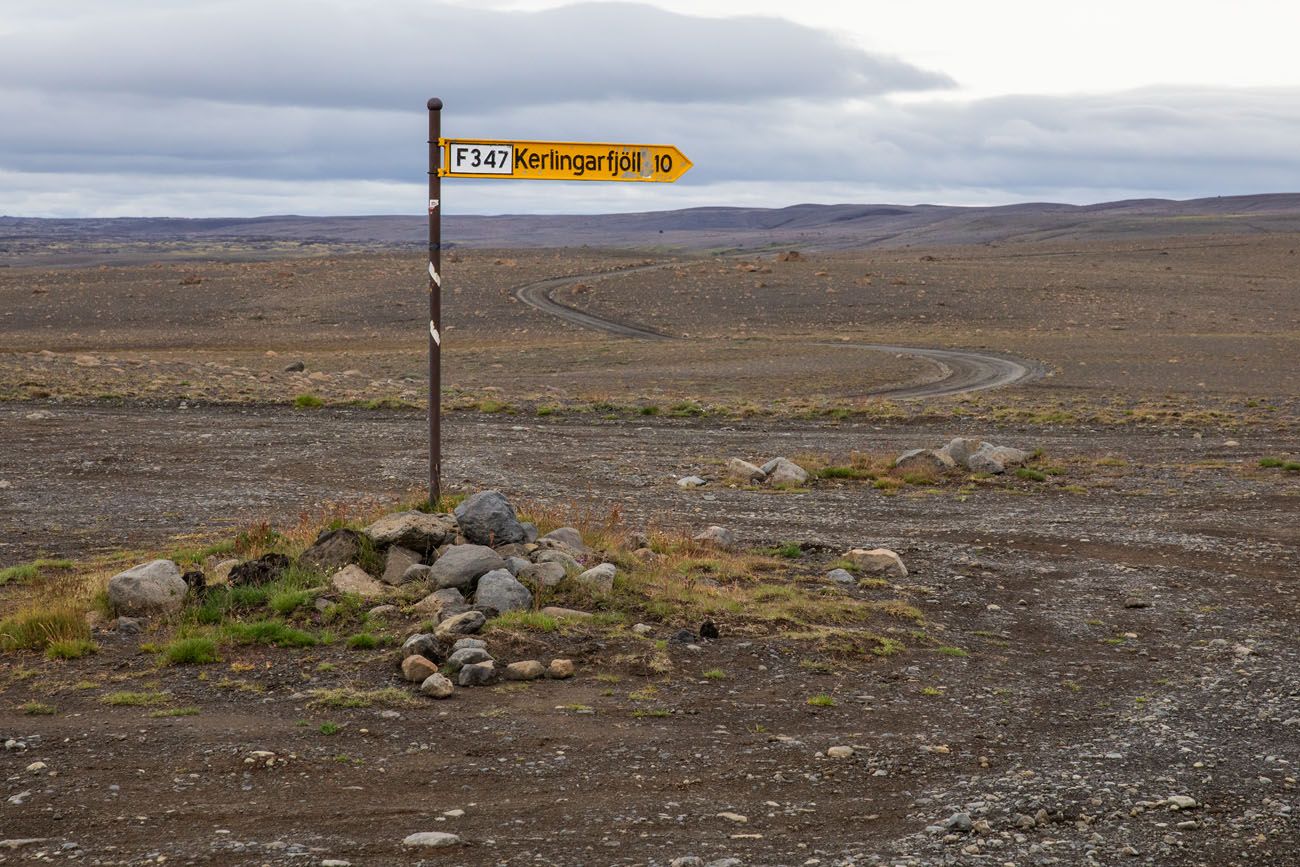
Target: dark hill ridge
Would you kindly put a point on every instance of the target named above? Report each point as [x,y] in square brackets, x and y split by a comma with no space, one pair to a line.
[827,226]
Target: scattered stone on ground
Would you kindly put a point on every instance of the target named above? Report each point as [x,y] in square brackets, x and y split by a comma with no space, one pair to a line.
[559,669]
[528,669]
[417,669]
[437,686]
[155,587]
[925,461]
[477,674]
[600,577]
[842,576]
[500,590]
[692,482]
[877,561]
[568,537]
[431,839]
[718,537]
[398,561]
[465,623]
[418,531]
[744,472]
[782,472]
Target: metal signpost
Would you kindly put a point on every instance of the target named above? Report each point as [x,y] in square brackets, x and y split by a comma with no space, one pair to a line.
[519,160]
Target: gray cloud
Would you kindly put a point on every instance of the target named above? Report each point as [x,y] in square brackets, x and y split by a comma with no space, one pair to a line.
[323,113]
[390,55]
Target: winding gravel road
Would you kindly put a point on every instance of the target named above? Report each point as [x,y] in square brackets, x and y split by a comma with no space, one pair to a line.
[960,371]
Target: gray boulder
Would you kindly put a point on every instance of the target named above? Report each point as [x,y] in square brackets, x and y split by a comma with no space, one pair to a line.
[422,644]
[924,461]
[353,579]
[691,482]
[437,686]
[487,518]
[564,559]
[462,643]
[467,656]
[600,577]
[785,473]
[502,591]
[418,531]
[462,565]
[332,550]
[417,573]
[996,459]
[478,674]
[150,588]
[530,531]
[842,576]
[438,602]
[959,449]
[568,537]
[877,561]
[743,472]
[465,623]
[542,574]
[718,537]
[515,565]
[396,563]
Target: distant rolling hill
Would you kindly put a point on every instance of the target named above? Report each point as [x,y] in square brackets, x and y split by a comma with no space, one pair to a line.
[821,226]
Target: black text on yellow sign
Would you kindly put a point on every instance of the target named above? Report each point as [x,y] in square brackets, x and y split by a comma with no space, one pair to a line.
[561,161]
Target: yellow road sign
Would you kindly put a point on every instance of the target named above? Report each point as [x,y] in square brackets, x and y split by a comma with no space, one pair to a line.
[561,160]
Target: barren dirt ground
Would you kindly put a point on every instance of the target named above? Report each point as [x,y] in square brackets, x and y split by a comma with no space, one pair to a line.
[1095,646]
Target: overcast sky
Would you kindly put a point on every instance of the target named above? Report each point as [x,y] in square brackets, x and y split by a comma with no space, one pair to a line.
[248,107]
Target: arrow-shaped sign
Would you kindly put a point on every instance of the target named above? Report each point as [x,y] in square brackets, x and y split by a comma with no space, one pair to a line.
[561,161]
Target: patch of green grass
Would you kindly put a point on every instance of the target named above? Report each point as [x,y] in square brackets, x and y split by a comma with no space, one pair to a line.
[37,708]
[649,410]
[70,648]
[271,632]
[605,677]
[329,728]
[931,691]
[191,651]
[888,646]
[1266,463]
[788,550]
[844,472]
[364,641]
[198,555]
[128,698]
[523,621]
[308,401]
[951,651]
[28,571]
[38,627]
[1291,467]
[286,602]
[349,697]
[686,408]
[821,700]
[1031,475]
[715,674]
[651,712]
[174,712]
[547,409]
[489,404]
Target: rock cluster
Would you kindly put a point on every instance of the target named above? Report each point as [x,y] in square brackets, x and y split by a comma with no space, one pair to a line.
[467,660]
[777,473]
[477,563]
[977,456]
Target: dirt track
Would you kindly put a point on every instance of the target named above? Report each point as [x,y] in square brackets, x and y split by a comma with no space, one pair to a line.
[958,371]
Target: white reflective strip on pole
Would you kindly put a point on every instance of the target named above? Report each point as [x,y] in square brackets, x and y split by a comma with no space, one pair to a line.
[433,332]
[434,274]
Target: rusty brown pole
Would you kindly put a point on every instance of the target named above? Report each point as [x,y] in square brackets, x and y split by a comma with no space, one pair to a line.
[435,303]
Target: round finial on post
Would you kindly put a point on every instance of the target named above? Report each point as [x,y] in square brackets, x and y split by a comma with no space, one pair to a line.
[435,104]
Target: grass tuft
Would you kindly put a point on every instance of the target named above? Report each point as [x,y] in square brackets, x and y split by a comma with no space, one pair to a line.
[70,648]
[364,641]
[349,697]
[308,401]
[523,621]
[38,628]
[37,708]
[191,651]
[271,632]
[821,700]
[127,698]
